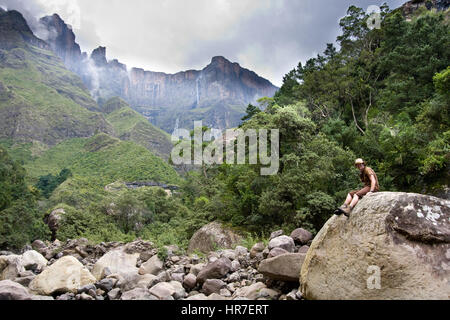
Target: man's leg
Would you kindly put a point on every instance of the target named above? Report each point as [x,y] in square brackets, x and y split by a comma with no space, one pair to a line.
[346,204]
[348,200]
[354,201]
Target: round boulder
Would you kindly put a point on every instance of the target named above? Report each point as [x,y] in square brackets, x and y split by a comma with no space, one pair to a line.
[393,246]
[212,237]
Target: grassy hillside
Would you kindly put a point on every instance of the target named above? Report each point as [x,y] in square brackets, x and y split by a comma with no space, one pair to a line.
[130,125]
[39,98]
[104,159]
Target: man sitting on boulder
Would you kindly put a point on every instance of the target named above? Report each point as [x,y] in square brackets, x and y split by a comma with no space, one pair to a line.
[370,180]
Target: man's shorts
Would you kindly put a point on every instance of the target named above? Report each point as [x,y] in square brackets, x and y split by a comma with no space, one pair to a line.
[360,193]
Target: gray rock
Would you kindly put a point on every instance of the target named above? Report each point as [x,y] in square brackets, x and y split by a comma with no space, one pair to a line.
[66,296]
[33,260]
[137,294]
[225,292]
[301,236]
[178,277]
[190,281]
[86,288]
[162,290]
[213,286]
[392,247]
[257,248]
[215,270]
[43,298]
[199,296]
[152,266]
[276,252]
[235,265]
[303,249]
[106,284]
[10,267]
[212,236]
[114,294]
[85,296]
[249,292]
[10,290]
[275,234]
[25,281]
[268,293]
[285,267]
[228,253]
[284,242]
[196,268]
[234,277]
[241,251]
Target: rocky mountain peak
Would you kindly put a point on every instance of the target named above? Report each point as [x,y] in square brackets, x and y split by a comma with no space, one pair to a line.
[14,31]
[99,56]
[62,40]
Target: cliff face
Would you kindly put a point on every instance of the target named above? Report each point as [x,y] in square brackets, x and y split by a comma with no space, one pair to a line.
[62,41]
[219,82]
[15,32]
[217,94]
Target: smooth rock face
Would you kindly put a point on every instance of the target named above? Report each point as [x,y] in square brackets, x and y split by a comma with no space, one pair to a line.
[10,290]
[117,261]
[67,274]
[301,236]
[284,242]
[393,246]
[211,237]
[284,267]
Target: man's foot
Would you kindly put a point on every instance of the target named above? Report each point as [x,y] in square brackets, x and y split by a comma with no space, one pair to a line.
[347,210]
[341,210]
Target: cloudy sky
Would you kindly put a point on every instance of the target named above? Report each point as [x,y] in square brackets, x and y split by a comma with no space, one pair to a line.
[269,37]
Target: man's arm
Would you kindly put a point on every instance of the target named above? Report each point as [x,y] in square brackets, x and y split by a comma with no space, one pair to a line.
[373,184]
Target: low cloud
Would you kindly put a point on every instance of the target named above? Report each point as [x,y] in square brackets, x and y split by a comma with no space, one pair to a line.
[269,37]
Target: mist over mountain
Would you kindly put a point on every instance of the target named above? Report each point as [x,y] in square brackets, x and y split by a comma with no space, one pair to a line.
[218,94]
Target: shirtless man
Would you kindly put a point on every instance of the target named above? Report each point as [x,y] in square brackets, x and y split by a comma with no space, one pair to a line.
[370,180]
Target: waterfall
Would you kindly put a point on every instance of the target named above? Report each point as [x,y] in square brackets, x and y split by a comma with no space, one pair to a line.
[198,88]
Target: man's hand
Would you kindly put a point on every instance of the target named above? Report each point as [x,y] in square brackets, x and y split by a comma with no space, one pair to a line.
[369,193]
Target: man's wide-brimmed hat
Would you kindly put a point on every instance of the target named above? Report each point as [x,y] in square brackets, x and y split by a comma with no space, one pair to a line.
[359,161]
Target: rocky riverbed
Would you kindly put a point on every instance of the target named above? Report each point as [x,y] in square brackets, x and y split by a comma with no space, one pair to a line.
[78,270]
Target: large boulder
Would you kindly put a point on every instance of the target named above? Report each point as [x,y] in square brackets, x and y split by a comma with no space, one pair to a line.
[214,270]
[116,261]
[211,237]
[67,274]
[283,242]
[10,290]
[32,259]
[152,266]
[10,267]
[284,267]
[54,218]
[301,236]
[393,246]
